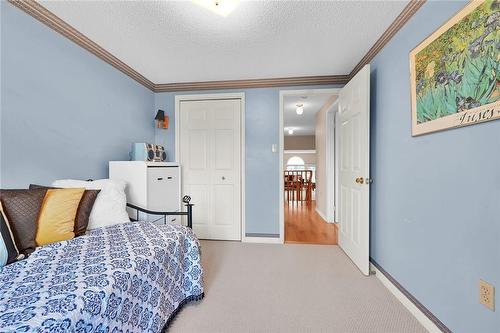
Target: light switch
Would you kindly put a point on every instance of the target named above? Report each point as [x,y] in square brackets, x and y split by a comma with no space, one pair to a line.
[274,147]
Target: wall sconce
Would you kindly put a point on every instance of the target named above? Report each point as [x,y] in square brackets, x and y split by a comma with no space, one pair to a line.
[161,119]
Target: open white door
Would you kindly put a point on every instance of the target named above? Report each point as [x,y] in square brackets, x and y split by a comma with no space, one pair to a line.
[353,128]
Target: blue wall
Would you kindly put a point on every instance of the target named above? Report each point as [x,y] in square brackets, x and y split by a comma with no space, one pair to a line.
[435,209]
[64,112]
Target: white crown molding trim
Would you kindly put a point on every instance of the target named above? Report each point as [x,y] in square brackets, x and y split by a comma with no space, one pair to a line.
[309,151]
[254,83]
[411,8]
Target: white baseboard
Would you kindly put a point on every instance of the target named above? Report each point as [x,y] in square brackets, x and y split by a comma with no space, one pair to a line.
[419,315]
[263,240]
[323,216]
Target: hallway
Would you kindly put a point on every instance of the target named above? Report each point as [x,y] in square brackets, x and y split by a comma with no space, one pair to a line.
[303,225]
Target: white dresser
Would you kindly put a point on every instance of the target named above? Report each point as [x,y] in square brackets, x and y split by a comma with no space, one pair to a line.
[152,185]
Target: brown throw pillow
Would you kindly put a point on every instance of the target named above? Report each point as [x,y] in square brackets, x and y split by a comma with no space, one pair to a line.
[21,208]
[84,209]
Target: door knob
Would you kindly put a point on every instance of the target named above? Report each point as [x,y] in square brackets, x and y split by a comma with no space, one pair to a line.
[360,180]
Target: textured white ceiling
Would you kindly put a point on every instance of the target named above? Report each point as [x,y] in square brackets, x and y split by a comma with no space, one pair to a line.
[178,41]
[304,124]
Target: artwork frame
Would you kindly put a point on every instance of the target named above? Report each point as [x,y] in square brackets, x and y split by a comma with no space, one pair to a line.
[443,76]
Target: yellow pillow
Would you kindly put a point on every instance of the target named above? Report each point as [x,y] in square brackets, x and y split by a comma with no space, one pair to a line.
[56,220]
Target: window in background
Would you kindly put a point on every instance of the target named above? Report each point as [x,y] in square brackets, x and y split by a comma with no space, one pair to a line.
[295,163]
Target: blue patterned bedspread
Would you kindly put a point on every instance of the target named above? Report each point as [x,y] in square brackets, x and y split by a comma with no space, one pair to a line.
[129,277]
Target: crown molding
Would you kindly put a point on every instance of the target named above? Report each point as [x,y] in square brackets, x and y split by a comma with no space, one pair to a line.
[45,16]
[253,83]
[42,14]
[411,8]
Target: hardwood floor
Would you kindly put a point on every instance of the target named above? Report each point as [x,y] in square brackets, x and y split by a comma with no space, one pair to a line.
[304,225]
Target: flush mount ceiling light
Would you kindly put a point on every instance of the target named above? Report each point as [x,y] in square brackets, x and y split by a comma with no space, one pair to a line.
[290,131]
[219,7]
[300,109]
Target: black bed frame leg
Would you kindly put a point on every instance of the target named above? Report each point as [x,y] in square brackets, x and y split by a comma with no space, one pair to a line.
[190,215]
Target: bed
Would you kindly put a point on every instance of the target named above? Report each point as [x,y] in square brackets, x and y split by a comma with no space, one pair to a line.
[130,277]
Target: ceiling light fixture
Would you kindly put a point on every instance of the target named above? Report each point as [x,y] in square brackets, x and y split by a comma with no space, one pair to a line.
[300,109]
[219,7]
[290,131]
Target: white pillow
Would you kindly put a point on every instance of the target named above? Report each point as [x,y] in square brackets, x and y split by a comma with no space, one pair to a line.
[109,207]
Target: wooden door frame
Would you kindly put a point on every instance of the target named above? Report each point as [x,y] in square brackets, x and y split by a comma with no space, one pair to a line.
[217,96]
[283,93]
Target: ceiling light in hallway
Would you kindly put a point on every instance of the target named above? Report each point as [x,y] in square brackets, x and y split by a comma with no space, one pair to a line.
[290,131]
[219,7]
[300,109]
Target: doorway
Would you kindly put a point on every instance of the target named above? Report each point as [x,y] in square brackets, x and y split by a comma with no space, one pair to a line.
[351,171]
[210,136]
[304,166]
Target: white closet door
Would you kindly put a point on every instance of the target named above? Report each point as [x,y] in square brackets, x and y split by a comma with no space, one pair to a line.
[211,172]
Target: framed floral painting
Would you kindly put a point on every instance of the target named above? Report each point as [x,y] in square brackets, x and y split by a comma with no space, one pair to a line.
[455,72]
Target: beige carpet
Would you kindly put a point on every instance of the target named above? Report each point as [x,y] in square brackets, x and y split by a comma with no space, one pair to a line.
[289,288]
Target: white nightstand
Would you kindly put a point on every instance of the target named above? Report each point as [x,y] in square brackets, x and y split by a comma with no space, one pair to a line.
[154,186]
